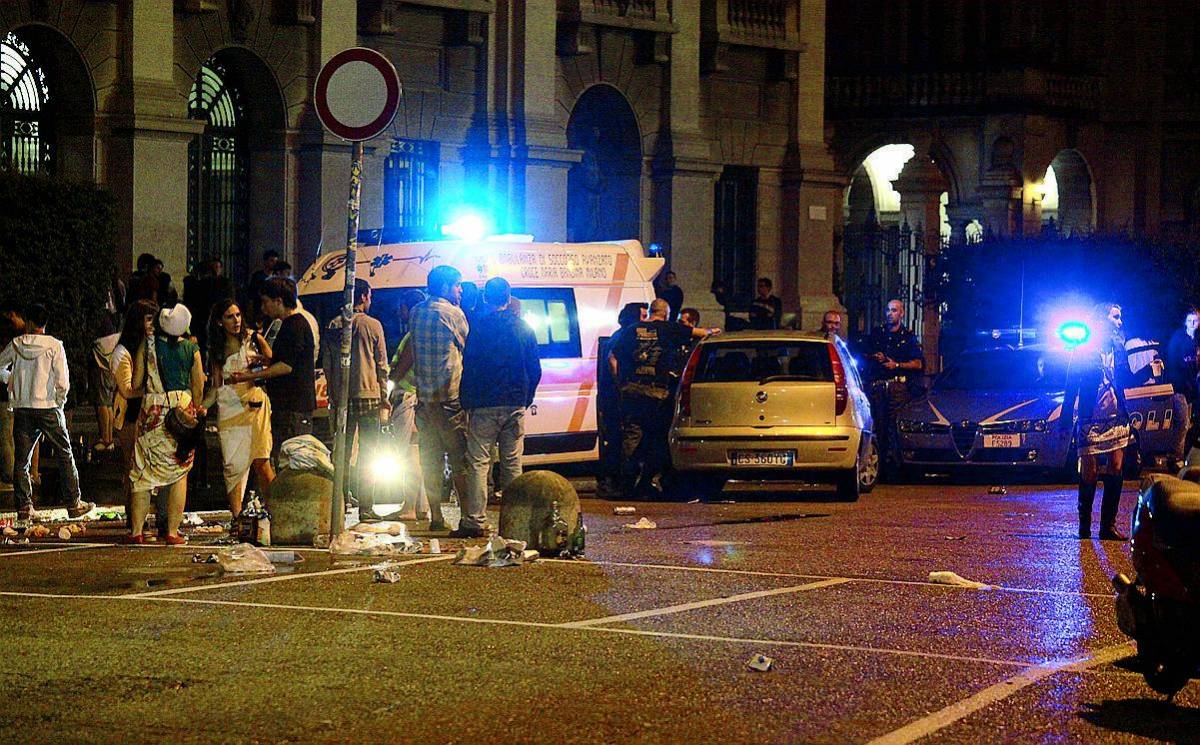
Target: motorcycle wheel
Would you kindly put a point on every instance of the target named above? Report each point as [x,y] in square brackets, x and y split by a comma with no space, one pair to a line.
[1167,677]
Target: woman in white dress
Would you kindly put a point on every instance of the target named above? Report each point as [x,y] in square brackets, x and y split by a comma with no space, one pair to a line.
[244,411]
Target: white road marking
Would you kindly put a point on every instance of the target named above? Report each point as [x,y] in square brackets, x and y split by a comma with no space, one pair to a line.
[283,577]
[536,624]
[38,550]
[876,580]
[1002,690]
[683,607]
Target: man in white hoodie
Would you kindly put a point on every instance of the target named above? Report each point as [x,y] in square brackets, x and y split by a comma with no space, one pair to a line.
[35,367]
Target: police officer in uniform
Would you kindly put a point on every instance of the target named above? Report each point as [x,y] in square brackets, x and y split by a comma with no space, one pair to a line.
[646,361]
[895,360]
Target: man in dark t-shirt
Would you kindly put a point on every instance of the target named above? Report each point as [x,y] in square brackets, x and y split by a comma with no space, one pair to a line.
[290,376]
[766,312]
[646,360]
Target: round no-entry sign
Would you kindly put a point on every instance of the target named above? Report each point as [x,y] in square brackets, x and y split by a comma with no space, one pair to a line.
[357,94]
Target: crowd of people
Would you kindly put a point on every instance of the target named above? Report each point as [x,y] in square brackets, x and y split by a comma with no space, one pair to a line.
[459,389]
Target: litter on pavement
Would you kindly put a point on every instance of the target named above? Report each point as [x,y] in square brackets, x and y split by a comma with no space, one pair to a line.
[624,510]
[760,662]
[954,580]
[497,552]
[355,543]
[383,526]
[244,559]
[997,490]
[642,524]
[387,576]
[715,544]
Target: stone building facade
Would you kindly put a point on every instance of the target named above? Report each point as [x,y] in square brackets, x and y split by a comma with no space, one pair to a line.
[993,94]
[698,126]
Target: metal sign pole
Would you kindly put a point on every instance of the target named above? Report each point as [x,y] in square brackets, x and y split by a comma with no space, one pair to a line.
[341,460]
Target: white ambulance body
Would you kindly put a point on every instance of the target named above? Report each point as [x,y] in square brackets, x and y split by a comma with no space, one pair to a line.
[570,294]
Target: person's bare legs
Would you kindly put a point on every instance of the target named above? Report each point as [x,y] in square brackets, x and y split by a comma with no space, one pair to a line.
[139,507]
[176,500]
[105,416]
[264,473]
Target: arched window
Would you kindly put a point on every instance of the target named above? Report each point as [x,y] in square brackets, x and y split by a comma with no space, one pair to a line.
[217,170]
[23,97]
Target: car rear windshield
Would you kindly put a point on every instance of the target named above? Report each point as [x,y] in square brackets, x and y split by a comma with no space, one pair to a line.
[752,361]
[1006,370]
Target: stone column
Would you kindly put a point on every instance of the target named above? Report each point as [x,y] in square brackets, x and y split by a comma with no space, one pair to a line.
[147,133]
[920,185]
[540,158]
[683,171]
[324,160]
[811,197]
[1000,194]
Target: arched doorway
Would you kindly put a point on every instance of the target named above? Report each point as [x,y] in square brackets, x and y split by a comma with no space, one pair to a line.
[883,256]
[217,168]
[24,95]
[237,168]
[1067,203]
[604,188]
[47,105]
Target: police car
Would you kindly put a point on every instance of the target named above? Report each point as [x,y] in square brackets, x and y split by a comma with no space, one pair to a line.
[1002,408]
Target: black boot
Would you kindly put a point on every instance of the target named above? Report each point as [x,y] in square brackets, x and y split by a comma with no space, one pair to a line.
[1109,505]
[1087,495]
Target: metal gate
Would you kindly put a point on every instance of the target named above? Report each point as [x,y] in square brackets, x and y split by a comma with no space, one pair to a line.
[881,263]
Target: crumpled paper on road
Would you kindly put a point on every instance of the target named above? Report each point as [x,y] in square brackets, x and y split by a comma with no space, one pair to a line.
[954,580]
[497,552]
[642,524]
[356,543]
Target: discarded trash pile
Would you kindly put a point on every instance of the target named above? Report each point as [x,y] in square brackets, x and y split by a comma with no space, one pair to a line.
[247,559]
[497,552]
[375,539]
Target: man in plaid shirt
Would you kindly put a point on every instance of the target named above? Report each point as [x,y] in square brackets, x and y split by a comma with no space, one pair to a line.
[439,333]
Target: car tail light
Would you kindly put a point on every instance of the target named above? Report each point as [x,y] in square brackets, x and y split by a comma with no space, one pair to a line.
[685,382]
[839,381]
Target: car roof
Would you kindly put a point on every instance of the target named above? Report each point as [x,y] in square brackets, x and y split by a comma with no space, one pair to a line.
[772,335]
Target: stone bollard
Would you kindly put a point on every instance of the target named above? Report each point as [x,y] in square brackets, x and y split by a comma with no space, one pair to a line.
[526,506]
[299,505]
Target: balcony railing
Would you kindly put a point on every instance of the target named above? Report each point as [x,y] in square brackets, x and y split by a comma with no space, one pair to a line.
[648,15]
[755,23]
[858,94]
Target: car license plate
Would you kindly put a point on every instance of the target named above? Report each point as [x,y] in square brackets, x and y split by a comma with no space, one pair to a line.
[1002,441]
[762,457]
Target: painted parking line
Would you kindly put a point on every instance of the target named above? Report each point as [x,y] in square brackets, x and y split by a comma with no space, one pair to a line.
[283,577]
[684,607]
[792,575]
[954,712]
[38,550]
[779,643]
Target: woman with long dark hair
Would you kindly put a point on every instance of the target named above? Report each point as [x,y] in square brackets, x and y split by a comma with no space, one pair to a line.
[170,426]
[244,411]
[1104,431]
[127,401]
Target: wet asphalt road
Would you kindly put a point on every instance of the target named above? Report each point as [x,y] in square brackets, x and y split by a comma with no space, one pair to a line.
[647,641]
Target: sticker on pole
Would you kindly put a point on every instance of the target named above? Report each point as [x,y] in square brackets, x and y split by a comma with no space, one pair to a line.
[357,94]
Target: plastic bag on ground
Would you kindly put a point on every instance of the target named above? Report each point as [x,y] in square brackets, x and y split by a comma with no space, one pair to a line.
[355,543]
[954,580]
[497,552]
[642,524]
[306,453]
[245,559]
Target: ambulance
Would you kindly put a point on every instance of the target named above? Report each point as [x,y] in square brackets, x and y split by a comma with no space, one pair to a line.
[570,295]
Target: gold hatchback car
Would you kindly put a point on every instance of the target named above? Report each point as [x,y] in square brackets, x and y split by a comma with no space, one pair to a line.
[783,406]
